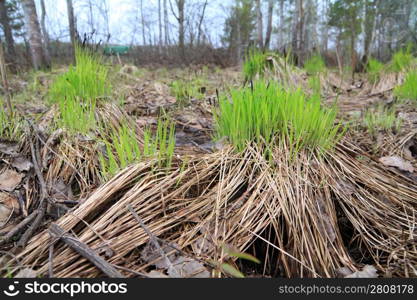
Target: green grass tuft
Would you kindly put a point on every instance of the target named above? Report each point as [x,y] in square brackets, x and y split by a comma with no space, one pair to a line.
[87,80]
[185,90]
[402,60]
[76,92]
[408,90]
[123,149]
[266,113]
[10,126]
[315,65]
[314,83]
[255,64]
[374,69]
[381,119]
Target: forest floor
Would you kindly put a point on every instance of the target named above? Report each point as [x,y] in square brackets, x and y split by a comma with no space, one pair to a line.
[213,212]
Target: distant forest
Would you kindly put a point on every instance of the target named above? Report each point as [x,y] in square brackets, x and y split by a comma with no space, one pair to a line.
[345,32]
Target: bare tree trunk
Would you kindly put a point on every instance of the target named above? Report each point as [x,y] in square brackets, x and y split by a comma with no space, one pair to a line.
[5,82]
[143,23]
[72,27]
[44,32]
[91,17]
[269,26]
[295,24]
[35,36]
[201,22]
[8,35]
[181,28]
[160,25]
[181,36]
[326,27]
[166,23]
[352,51]
[370,12]
[353,56]
[301,49]
[259,24]
[105,12]
[281,23]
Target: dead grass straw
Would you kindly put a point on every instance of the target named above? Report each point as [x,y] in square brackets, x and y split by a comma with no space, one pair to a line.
[228,198]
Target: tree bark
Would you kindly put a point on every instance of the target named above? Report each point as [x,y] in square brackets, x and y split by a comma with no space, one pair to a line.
[72,27]
[369,28]
[91,17]
[281,23]
[259,24]
[166,23]
[181,36]
[295,24]
[34,35]
[8,34]
[45,32]
[269,26]
[200,23]
[238,43]
[326,27]
[353,53]
[301,43]
[160,25]
[181,28]
[143,23]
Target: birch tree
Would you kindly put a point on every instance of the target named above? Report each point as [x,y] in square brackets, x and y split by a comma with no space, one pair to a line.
[39,59]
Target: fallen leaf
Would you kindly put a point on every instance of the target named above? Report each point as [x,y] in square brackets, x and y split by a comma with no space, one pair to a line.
[161,88]
[9,148]
[8,205]
[410,117]
[5,214]
[9,180]
[22,164]
[398,162]
[410,150]
[343,272]
[203,245]
[26,273]
[150,254]
[8,200]
[60,191]
[188,268]
[368,271]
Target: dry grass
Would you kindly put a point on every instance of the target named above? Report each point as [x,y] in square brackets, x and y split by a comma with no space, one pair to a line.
[229,198]
[312,214]
[74,159]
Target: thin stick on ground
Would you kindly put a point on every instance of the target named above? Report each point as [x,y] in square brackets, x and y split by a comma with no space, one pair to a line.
[19,227]
[40,213]
[84,251]
[51,260]
[42,204]
[153,240]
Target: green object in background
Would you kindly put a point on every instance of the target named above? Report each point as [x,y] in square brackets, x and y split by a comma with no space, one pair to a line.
[112,50]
